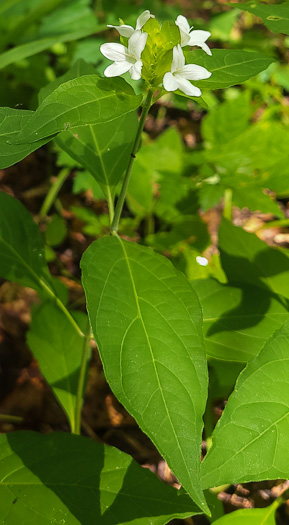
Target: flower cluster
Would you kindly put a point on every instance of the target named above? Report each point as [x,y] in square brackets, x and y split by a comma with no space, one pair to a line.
[128,58]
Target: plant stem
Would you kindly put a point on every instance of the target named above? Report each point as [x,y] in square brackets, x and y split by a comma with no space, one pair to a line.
[81,380]
[53,191]
[122,195]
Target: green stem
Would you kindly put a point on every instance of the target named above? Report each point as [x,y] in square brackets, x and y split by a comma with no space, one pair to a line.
[228,204]
[81,380]
[53,191]
[122,195]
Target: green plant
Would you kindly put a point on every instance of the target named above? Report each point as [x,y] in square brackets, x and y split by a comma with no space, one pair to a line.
[145,315]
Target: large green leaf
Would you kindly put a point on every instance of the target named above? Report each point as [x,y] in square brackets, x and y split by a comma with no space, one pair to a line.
[82,101]
[58,348]
[238,320]
[249,517]
[275,17]
[11,123]
[228,67]
[65,479]
[251,440]
[247,259]
[146,320]
[32,48]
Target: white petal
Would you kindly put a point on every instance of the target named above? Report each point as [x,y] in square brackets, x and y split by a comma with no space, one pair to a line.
[136,44]
[124,30]
[135,70]
[115,52]
[169,82]
[185,38]
[116,69]
[197,38]
[183,24]
[143,18]
[194,72]
[206,49]
[186,87]
[178,58]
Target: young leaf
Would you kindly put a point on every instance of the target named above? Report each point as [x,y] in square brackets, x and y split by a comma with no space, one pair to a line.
[85,100]
[58,348]
[228,67]
[275,17]
[251,440]
[249,517]
[146,320]
[247,259]
[238,320]
[63,478]
[12,121]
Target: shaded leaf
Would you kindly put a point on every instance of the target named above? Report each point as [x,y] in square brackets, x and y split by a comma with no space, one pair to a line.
[247,259]
[67,479]
[238,320]
[58,352]
[146,320]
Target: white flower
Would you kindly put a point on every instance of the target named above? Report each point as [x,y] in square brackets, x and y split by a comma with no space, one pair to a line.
[127,31]
[180,74]
[192,38]
[125,58]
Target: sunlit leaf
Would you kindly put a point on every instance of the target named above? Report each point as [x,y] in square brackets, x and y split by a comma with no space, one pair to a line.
[146,320]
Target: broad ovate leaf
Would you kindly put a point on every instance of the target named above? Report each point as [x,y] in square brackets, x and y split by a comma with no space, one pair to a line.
[81,101]
[146,320]
[58,348]
[228,67]
[66,479]
[251,440]
[238,319]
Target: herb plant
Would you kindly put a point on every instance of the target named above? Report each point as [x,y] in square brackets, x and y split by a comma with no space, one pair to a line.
[157,330]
